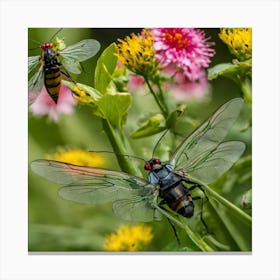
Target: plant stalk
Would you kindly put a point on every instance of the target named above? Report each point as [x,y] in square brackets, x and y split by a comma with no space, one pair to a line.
[246,88]
[120,148]
[161,106]
[200,243]
[234,209]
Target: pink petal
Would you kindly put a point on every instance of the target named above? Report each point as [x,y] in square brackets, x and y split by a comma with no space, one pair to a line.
[44,104]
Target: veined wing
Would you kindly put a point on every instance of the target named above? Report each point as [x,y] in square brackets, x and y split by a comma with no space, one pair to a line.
[35,83]
[132,196]
[81,51]
[203,145]
[210,165]
[33,62]
[72,66]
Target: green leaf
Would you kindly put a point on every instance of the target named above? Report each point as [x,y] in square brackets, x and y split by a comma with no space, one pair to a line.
[175,115]
[175,247]
[222,70]
[105,68]
[234,70]
[240,232]
[113,107]
[149,127]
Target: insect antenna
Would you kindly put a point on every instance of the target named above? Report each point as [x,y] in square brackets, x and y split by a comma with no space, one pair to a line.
[110,152]
[35,42]
[53,36]
[158,142]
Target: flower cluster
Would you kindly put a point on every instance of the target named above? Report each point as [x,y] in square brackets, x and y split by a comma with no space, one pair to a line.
[129,238]
[183,49]
[137,54]
[239,41]
[181,53]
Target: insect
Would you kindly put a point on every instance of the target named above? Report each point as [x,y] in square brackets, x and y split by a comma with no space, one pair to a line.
[49,67]
[202,155]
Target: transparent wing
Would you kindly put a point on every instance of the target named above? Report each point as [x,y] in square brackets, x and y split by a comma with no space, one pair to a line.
[203,145]
[81,51]
[212,164]
[33,62]
[132,209]
[35,83]
[91,185]
[72,66]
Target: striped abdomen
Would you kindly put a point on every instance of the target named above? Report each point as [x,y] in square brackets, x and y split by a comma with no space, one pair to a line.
[53,81]
[52,74]
[178,198]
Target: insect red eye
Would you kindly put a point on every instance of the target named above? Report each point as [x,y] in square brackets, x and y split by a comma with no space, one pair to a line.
[50,45]
[157,161]
[43,47]
[147,166]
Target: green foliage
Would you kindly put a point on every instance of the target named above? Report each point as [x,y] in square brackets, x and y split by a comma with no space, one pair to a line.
[112,123]
[150,127]
[114,107]
[105,68]
[238,71]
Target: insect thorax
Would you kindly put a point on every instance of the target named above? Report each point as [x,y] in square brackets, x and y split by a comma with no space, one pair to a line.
[164,177]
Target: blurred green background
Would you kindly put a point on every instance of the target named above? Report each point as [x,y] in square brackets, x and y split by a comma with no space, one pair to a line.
[59,225]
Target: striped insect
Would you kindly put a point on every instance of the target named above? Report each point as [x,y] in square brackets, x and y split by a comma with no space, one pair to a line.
[201,157]
[57,61]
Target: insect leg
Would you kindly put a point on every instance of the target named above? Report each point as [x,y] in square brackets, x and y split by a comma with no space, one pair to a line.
[197,186]
[67,75]
[174,231]
[201,211]
[172,225]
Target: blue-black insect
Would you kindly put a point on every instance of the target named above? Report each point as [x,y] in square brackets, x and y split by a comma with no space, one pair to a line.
[203,156]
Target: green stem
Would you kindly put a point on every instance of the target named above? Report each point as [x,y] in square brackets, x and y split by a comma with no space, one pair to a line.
[234,209]
[193,236]
[161,95]
[161,106]
[120,148]
[246,88]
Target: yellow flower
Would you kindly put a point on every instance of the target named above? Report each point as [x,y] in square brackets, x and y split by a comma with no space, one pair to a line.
[78,157]
[239,41]
[129,238]
[137,54]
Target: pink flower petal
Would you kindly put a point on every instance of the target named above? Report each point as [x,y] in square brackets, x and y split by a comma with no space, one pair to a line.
[44,104]
[185,48]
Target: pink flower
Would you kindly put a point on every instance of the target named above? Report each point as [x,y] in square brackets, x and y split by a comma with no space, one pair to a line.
[183,88]
[184,49]
[44,104]
[135,83]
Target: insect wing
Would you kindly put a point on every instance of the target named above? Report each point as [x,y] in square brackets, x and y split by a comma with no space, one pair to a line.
[201,155]
[72,66]
[211,165]
[91,185]
[137,208]
[33,62]
[81,51]
[35,84]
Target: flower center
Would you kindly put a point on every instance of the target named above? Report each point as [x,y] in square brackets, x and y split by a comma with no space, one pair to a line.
[175,40]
